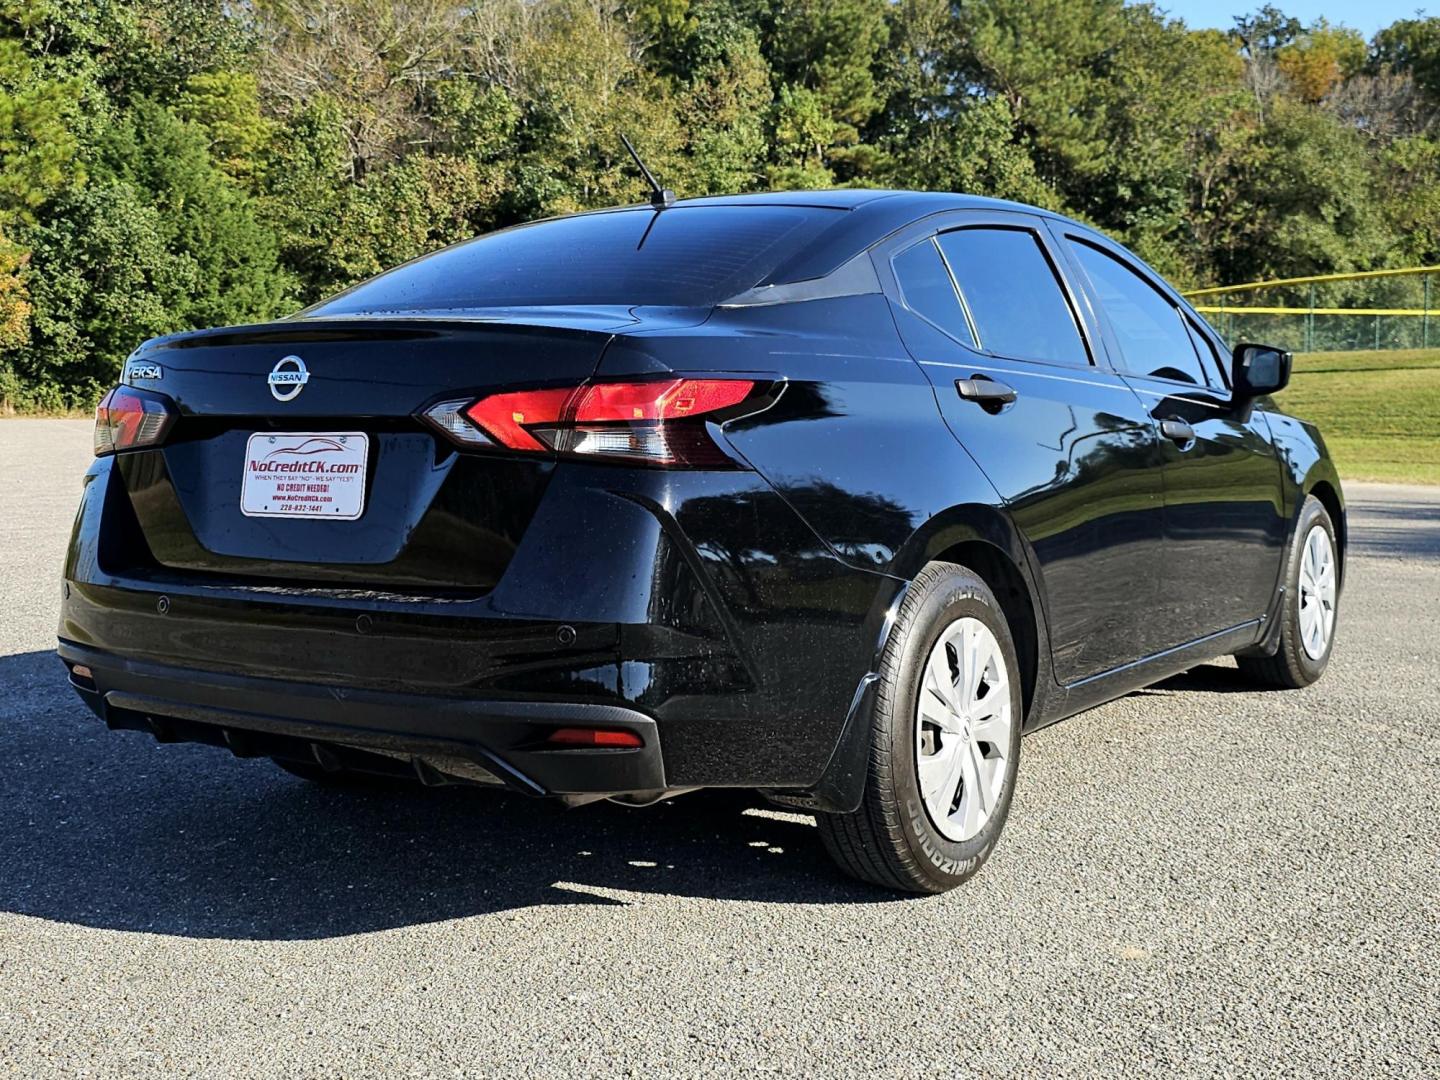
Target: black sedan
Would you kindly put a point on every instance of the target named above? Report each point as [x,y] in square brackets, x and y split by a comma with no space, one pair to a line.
[833,495]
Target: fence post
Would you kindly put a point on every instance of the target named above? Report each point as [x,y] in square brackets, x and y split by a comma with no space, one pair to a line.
[1310,322]
[1425,319]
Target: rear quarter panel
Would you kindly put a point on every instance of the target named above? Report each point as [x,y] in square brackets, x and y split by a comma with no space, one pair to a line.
[855,442]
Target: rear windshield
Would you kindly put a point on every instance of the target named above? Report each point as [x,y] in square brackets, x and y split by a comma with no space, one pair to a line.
[683,257]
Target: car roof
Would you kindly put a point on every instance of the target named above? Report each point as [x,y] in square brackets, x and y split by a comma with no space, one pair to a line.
[863,217]
[867,216]
[923,202]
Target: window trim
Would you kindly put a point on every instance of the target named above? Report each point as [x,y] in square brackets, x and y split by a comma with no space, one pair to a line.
[960,294]
[1061,284]
[974,342]
[1042,224]
[1198,338]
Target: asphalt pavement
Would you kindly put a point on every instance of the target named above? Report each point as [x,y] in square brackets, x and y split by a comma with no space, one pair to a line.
[1200,879]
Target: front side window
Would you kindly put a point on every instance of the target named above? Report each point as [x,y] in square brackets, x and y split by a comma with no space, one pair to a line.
[1151,331]
[928,291]
[1013,295]
[1209,358]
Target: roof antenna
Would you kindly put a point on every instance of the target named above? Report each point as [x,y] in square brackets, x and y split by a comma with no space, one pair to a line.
[660,198]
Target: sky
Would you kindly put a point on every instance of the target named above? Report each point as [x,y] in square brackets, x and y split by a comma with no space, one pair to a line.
[1367,16]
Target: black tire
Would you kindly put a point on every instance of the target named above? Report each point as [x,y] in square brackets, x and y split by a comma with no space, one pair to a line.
[1292,667]
[891,840]
[345,779]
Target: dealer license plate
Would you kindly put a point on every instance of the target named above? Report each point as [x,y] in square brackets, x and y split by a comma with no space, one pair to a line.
[305,475]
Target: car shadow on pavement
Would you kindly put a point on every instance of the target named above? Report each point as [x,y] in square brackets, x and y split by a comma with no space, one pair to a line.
[110,829]
[1211,678]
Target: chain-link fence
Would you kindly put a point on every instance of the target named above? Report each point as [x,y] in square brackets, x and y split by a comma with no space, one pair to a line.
[1379,309]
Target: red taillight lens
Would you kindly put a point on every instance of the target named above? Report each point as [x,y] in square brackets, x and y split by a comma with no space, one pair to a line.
[609,738]
[659,423]
[601,402]
[129,419]
[506,418]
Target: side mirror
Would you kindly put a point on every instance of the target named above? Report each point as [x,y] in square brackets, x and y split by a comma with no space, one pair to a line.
[1257,370]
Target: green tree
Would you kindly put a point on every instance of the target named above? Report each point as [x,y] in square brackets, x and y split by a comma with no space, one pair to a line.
[1168,92]
[724,93]
[38,158]
[160,240]
[934,138]
[38,151]
[824,54]
[226,106]
[1410,177]
[1412,46]
[1301,201]
[580,83]
[1045,59]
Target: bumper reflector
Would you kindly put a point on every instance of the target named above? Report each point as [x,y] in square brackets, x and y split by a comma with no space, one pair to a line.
[597,737]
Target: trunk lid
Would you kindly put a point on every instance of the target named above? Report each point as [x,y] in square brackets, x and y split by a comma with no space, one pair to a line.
[433,520]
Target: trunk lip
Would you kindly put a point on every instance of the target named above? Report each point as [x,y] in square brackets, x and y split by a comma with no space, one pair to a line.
[600,322]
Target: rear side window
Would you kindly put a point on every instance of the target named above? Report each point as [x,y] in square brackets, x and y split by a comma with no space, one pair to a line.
[1151,330]
[925,283]
[1013,295]
[683,257]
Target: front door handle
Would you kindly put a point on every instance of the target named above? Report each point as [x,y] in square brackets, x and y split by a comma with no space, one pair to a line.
[985,391]
[1178,431]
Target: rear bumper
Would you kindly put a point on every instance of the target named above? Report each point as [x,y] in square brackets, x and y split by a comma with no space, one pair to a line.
[698,603]
[441,739]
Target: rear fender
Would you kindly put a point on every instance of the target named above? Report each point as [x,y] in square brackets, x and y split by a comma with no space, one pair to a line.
[842,785]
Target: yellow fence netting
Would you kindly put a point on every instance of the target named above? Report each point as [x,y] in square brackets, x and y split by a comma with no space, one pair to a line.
[1375,309]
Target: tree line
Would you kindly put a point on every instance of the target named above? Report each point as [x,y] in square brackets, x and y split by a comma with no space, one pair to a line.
[167,164]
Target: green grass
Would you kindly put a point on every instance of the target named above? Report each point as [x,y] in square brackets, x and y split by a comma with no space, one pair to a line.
[1379,411]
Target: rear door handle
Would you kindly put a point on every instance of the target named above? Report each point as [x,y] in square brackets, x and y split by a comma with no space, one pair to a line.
[1177,431]
[985,391]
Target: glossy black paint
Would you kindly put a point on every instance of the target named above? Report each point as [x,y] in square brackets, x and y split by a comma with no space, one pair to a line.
[739,611]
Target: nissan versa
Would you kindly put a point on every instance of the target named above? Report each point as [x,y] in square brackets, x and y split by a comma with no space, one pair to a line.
[833,495]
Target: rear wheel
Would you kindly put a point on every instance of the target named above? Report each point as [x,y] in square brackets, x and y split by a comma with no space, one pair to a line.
[945,741]
[1312,595]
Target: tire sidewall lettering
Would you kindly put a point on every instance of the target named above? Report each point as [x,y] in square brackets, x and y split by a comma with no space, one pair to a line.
[921,832]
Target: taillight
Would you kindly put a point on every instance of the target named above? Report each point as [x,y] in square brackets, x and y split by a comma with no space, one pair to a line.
[130,419]
[659,423]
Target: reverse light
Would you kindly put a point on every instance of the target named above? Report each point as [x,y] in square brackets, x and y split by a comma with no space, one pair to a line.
[130,419]
[605,738]
[658,423]
[449,417]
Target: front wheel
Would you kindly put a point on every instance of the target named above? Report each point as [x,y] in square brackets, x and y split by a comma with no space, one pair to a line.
[945,742]
[1312,597]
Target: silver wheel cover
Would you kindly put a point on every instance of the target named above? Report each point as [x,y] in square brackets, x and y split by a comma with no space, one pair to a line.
[1317,592]
[963,725]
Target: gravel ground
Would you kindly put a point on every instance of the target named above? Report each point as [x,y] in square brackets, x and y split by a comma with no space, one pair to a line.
[1197,879]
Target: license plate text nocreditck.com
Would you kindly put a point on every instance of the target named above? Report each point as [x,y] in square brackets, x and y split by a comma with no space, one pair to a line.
[307,474]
